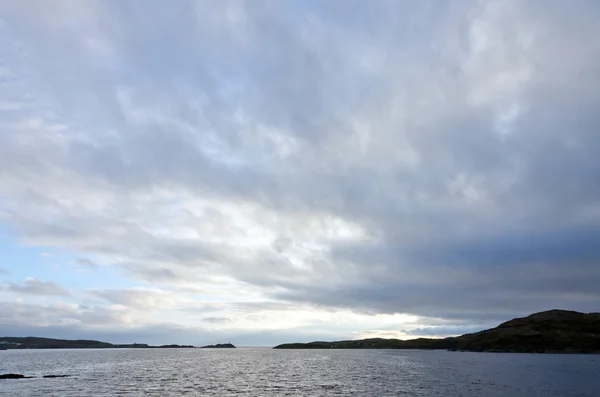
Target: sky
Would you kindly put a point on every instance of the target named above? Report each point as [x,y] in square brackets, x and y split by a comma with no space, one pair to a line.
[264,172]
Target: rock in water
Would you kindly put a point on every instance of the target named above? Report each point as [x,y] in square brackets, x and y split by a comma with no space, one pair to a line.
[13,376]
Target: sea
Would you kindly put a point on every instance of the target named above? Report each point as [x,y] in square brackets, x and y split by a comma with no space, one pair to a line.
[268,372]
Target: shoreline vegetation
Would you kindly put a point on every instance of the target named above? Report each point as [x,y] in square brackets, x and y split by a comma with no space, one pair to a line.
[553,331]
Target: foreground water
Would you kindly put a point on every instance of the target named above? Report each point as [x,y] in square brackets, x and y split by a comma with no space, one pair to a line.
[266,372]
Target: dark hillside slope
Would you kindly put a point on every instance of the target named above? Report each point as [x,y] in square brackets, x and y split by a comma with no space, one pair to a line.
[550,331]
[559,331]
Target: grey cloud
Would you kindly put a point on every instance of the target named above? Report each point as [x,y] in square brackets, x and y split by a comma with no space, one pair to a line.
[32,286]
[20,315]
[86,263]
[152,274]
[4,271]
[517,247]
[492,300]
[239,308]
[140,299]
[397,119]
[216,320]
[443,331]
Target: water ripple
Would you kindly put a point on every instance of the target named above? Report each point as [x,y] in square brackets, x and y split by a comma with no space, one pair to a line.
[266,372]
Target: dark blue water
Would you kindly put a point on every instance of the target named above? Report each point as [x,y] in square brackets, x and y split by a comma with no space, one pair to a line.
[266,372]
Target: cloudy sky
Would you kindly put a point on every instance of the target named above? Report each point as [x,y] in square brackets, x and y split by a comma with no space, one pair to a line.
[275,171]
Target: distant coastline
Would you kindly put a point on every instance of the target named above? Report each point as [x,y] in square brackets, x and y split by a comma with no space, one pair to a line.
[553,331]
[220,346]
[31,342]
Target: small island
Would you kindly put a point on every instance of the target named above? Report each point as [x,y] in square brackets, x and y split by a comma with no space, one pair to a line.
[219,346]
[553,331]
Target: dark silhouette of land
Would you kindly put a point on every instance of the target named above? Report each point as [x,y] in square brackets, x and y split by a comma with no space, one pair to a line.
[553,331]
[31,342]
[21,376]
[219,346]
[14,376]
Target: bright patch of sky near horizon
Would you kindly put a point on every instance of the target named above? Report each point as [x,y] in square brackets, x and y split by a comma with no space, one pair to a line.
[265,171]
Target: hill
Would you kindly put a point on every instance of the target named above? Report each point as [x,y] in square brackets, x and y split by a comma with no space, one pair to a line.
[553,331]
[550,331]
[372,343]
